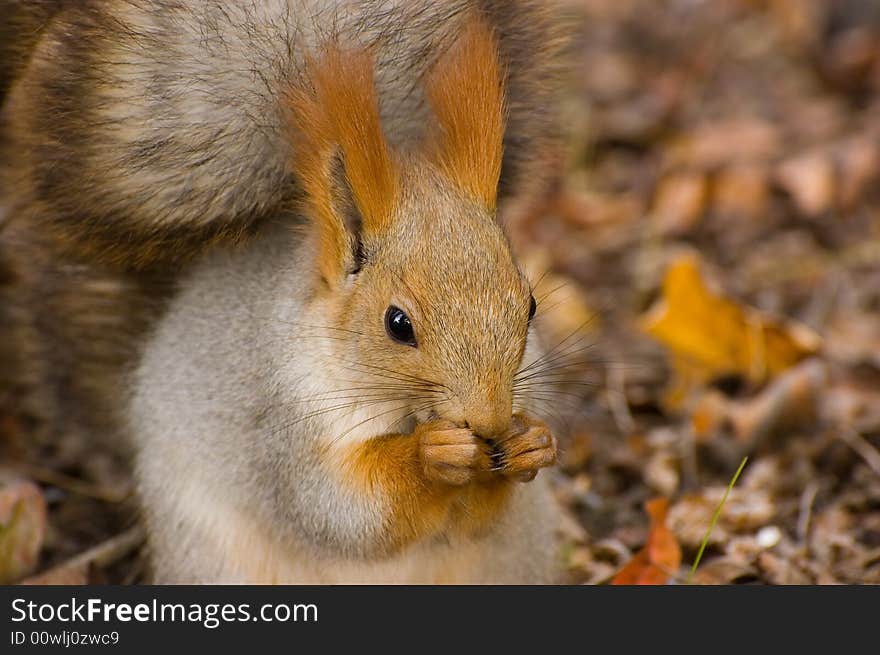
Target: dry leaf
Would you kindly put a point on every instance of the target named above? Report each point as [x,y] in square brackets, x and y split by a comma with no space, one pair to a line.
[859,161]
[577,452]
[790,401]
[853,338]
[851,55]
[570,530]
[744,511]
[855,404]
[799,20]
[661,472]
[77,570]
[680,202]
[723,570]
[22,529]
[742,191]
[809,179]
[725,142]
[611,76]
[782,571]
[709,335]
[709,414]
[661,556]
[75,574]
[590,209]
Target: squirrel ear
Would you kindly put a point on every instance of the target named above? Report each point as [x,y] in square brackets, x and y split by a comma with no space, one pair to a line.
[465,89]
[340,156]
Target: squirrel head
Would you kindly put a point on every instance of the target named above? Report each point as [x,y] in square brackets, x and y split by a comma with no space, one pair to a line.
[412,268]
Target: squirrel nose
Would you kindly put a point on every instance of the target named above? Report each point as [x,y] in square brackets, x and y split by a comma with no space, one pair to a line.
[489,420]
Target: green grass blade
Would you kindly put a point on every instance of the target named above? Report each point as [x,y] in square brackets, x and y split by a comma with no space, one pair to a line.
[733,480]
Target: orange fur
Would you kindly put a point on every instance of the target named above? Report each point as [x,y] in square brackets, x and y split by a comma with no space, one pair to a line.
[480,504]
[346,90]
[389,466]
[466,92]
[312,151]
[341,110]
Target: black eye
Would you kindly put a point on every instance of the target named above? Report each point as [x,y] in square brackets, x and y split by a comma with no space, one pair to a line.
[533,306]
[399,327]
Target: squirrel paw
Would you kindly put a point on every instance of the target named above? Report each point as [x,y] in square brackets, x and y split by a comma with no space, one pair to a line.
[449,454]
[527,447]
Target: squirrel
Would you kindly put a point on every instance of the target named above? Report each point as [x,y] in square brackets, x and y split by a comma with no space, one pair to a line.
[258,244]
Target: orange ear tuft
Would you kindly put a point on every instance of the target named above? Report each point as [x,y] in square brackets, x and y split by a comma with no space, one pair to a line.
[345,89]
[337,113]
[311,136]
[466,91]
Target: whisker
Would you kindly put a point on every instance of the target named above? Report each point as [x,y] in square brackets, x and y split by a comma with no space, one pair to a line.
[379,415]
[562,392]
[559,363]
[325,410]
[356,396]
[553,362]
[402,376]
[559,345]
[549,293]
[537,283]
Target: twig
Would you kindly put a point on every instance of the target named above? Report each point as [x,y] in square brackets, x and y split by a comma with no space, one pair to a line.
[616,398]
[861,445]
[72,484]
[808,497]
[103,554]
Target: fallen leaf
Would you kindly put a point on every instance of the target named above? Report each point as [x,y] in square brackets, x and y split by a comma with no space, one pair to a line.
[661,472]
[742,191]
[709,335]
[809,180]
[78,570]
[854,338]
[578,451]
[570,530]
[660,558]
[859,161]
[723,570]
[709,414]
[62,575]
[22,529]
[850,56]
[611,76]
[745,511]
[782,571]
[724,142]
[853,403]
[591,209]
[680,202]
[799,20]
[791,400]
[601,573]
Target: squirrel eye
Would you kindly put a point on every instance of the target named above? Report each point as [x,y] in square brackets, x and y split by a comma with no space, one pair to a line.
[399,327]
[533,306]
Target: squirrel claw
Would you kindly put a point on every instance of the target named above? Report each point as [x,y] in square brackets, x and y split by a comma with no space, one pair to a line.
[527,447]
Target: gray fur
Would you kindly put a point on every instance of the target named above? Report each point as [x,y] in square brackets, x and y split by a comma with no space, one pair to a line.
[161,132]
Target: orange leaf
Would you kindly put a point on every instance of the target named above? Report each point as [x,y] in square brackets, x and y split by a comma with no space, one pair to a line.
[660,558]
[640,571]
[710,335]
